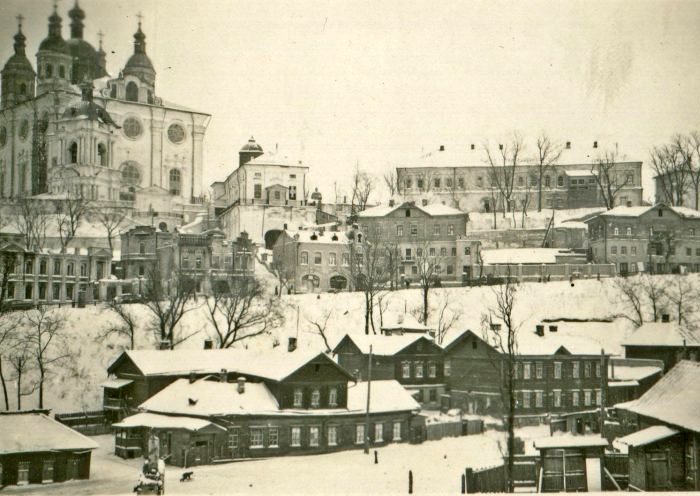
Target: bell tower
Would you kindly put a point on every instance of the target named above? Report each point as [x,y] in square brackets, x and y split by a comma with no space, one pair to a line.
[18,76]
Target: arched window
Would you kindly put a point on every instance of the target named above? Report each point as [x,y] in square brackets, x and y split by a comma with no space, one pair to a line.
[175,182]
[150,97]
[62,72]
[113,93]
[130,174]
[132,92]
[304,258]
[49,70]
[560,181]
[102,154]
[73,153]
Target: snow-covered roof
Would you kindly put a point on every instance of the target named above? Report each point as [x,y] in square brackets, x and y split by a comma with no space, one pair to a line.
[624,211]
[648,436]
[663,334]
[270,364]
[620,384]
[432,209]
[385,396]
[327,237]
[25,432]
[674,400]
[384,345]
[524,255]
[619,372]
[580,173]
[568,440]
[207,398]
[403,321]
[275,159]
[155,421]
[579,338]
[116,383]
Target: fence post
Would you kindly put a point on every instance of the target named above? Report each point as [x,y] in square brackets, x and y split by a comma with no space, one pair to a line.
[410,482]
[469,480]
[464,484]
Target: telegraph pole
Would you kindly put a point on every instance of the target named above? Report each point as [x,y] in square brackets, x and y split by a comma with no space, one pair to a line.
[603,381]
[369,384]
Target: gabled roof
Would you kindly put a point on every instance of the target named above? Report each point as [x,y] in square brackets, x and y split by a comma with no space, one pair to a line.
[624,211]
[385,396]
[383,345]
[663,334]
[460,337]
[433,210]
[674,400]
[155,421]
[271,364]
[25,432]
[648,436]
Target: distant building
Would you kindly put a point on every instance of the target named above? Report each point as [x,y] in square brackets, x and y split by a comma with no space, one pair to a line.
[317,260]
[462,178]
[262,405]
[630,378]
[36,449]
[665,445]
[412,359]
[399,324]
[413,231]
[658,239]
[676,188]
[669,342]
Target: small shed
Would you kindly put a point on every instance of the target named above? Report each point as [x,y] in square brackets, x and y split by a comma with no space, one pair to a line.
[651,455]
[571,463]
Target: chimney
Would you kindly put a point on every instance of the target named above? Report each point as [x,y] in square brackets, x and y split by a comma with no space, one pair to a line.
[442,148]
[241,385]
[424,202]
[193,377]
[391,202]
[285,227]
[208,344]
[223,375]
[472,147]
[500,147]
[345,199]
[292,345]
[665,317]
[553,328]
[539,330]
[568,145]
[595,144]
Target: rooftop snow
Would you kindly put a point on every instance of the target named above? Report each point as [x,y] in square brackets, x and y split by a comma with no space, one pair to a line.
[523,255]
[116,383]
[569,440]
[153,420]
[384,345]
[674,400]
[385,396]
[433,210]
[275,159]
[624,211]
[398,321]
[326,237]
[30,432]
[579,338]
[581,173]
[648,436]
[627,373]
[662,334]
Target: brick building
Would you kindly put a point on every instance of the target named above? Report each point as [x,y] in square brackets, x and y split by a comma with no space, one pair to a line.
[658,239]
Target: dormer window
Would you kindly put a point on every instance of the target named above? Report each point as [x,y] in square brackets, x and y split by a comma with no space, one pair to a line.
[408,212]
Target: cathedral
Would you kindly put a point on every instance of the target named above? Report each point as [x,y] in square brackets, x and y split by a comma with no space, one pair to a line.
[68,128]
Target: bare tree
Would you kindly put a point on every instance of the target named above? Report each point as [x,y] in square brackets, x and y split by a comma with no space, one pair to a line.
[654,289]
[631,293]
[31,222]
[20,359]
[607,178]
[240,310]
[70,213]
[503,165]
[429,269]
[391,182]
[46,343]
[8,322]
[362,187]
[668,164]
[447,317]
[370,276]
[320,326]
[112,220]
[694,166]
[683,297]
[500,329]
[548,154]
[382,303]
[126,324]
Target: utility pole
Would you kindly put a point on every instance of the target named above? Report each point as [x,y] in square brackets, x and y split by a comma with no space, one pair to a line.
[369,384]
[603,380]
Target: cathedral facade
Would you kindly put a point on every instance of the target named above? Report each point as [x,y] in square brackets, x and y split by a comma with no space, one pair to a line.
[67,128]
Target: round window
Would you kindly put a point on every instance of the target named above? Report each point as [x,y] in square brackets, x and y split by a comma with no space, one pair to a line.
[24,129]
[3,136]
[176,133]
[132,127]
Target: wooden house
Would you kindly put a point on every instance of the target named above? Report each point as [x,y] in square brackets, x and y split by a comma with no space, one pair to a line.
[665,448]
[414,360]
[667,341]
[630,378]
[36,449]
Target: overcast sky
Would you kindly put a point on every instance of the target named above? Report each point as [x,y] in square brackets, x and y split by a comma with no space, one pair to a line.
[377,82]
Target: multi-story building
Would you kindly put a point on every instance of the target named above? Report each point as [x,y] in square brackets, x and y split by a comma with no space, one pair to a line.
[265,192]
[317,260]
[414,232]
[656,239]
[205,260]
[462,178]
[124,145]
[676,188]
[414,360]
[55,278]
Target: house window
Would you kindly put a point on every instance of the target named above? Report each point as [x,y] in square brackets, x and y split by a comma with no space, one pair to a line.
[233,439]
[479,182]
[399,230]
[467,250]
[616,231]
[56,292]
[538,399]
[623,250]
[613,250]
[276,195]
[292,192]
[298,397]
[315,398]
[629,231]
[432,370]
[22,473]
[256,437]
[69,291]
[598,397]
[689,251]
[419,370]
[57,267]
[450,229]
[304,258]
[359,433]
[346,259]
[560,181]
[586,369]
[587,398]
[406,370]
[414,228]
[42,290]
[317,258]
[432,252]
[175,182]
[333,397]
[378,433]
[185,262]
[409,184]
[28,267]
[436,230]
[273,437]
[257,191]
[419,181]
[43,266]
[28,291]
[576,369]
[575,398]
[47,471]
[526,370]
[332,435]
[313,436]
[633,250]
[83,270]
[557,370]
[526,399]
[547,181]
[331,259]
[443,251]
[597,369]
[397,431]
[460,182]
[296,436]
[454,251]
[436,182]
[557,398]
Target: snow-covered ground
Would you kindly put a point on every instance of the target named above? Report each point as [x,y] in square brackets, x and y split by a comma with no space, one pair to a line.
[437,467]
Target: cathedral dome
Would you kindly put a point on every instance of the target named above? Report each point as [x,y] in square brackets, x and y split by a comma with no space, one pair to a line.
[19,62]
[251,146]
[139,65]
[54,41]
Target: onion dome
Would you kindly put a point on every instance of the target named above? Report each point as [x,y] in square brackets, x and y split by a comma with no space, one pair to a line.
[76,26]
[139,65]
[19,63]
[251,146]
[54,41]
[86,60]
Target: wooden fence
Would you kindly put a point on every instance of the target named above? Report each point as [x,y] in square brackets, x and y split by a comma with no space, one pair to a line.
[434,432]
[90,423]
[617,464]
[526,470]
